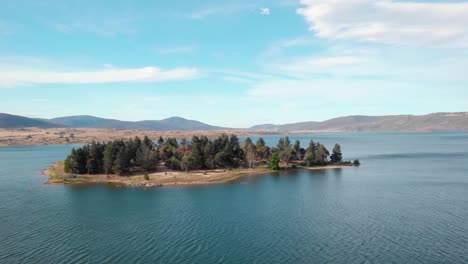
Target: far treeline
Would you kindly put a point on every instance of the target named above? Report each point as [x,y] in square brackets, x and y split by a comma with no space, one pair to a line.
[136,155]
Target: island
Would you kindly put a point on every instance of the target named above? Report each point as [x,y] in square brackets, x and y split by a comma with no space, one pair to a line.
[167,162]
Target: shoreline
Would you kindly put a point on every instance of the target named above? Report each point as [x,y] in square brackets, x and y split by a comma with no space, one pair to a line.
[32,136]
[165,177]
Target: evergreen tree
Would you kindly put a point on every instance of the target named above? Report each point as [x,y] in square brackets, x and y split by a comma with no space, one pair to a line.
[296,148]
[147,158]
[94,164]
[160,141]
[78,165]
[197,153]
[173,163]
[274,161]
[310,153]
[336,157]
[67,165]
[121,163]
[109,158]
[262,150]
[148,143]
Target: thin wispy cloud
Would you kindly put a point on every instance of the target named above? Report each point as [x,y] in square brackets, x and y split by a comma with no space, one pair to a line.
[221,10]
[390,22]
[109,75]
[264,11]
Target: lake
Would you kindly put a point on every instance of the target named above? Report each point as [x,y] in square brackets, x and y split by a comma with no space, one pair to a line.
[407,203]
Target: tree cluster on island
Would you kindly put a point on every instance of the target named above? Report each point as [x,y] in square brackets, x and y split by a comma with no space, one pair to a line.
[127,156]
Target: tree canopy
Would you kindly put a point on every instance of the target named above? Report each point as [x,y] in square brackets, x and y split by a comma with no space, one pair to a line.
[126,156]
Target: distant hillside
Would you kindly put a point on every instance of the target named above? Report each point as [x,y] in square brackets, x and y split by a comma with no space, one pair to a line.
[431,122]
[172,123]
[14,121]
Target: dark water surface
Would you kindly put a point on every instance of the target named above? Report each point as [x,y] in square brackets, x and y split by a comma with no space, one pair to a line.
[408,203]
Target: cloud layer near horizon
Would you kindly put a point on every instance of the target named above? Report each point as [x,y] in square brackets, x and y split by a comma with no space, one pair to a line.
[15,77]
[390,22]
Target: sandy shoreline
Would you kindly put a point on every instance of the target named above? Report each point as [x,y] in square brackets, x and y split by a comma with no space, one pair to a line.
[60,136]
[164,177]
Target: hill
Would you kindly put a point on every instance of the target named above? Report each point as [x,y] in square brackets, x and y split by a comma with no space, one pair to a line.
[431,122]
[172,123]
[15,121]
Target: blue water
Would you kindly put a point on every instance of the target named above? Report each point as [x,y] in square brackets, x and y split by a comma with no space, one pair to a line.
[407,203]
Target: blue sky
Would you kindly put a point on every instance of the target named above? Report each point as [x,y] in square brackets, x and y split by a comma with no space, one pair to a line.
[233,63]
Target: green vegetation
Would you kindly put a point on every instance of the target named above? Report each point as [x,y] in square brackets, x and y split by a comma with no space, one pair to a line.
[274,161]
[125,157]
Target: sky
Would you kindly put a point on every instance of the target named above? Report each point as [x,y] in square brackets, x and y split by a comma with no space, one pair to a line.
[233,63]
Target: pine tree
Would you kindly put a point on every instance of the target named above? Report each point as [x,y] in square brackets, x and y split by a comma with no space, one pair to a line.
[121,162]
[274,161]
[109,158]
[296,148]
[336,157]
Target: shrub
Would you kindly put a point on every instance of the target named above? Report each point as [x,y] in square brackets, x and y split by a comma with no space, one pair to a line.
[173,163]
[357,162]
[146,176]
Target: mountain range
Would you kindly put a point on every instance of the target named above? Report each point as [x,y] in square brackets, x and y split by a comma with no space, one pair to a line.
[456,121]
[84,121]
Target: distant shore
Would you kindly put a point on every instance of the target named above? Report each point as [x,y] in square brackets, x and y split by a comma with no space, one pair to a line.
[165,177]
[60,136]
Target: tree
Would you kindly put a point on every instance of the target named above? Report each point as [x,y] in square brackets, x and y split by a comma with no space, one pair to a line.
[160,141]
[274,161]
[94,161]
[197,153]
[262,150]
[310,153]
[302,153]
[147,158]
[109,158]
[121,162]
[187,162]
[148,143]
[209,154]
[336,157]
[285,150]
[173,163]
[321,154]
[78,164]
[68,164]
[283,143]
[296,148]
[286,155]
[250,153]
[310,156]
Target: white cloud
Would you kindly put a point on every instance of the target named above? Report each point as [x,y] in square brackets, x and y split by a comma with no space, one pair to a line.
[226,9]
[388,21]
[264,11]
[25,76]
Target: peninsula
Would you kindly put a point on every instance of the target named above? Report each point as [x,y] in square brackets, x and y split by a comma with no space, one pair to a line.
[201,160]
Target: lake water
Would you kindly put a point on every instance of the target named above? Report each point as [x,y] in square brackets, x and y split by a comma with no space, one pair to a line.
[407,203]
